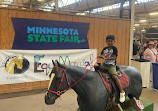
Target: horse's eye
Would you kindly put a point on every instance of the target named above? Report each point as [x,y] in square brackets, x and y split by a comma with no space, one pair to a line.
[57,78]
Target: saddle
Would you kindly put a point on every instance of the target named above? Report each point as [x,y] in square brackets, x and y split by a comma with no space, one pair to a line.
[110,84]
[106,77]
[104,70]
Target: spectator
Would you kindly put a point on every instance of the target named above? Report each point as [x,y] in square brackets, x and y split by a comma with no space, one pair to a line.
[135,49]
[145,39]
[151,53]
[145,45]
[155,43]
[142,48]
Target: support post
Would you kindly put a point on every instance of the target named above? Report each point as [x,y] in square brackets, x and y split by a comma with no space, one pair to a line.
[121,8]
[30,4]
[56,6]
[131,31]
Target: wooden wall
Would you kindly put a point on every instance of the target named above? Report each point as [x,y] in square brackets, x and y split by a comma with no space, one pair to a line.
[99,28]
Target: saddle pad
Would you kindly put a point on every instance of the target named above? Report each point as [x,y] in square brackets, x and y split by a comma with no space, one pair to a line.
[107,84]
[124,81]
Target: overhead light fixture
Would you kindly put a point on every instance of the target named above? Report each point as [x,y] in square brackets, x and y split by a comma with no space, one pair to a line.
[80,14]
[136,25]
[154,26]
[40,0]
[154,13]
[143,30]
[143,20]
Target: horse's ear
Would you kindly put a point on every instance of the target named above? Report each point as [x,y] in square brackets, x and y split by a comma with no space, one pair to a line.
[59,65]
[53,63]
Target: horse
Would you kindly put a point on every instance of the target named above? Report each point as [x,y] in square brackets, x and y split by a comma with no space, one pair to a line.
[91,91]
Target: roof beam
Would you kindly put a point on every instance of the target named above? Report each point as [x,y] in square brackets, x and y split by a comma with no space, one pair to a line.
[92,4]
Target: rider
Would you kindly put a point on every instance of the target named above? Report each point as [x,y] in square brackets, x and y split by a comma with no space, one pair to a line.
[109,54]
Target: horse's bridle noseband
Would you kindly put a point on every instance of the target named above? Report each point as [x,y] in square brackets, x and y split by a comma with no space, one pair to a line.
[57,91]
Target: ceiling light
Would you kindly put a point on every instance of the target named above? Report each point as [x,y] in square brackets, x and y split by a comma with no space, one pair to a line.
[143,30]
[154,13]
[143,20]
[80,14]
[40,0]
[136,25]
[154,26]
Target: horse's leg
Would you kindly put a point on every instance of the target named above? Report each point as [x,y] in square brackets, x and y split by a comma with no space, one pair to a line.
[135,93]
[78,101]
[80,104]
[135,89]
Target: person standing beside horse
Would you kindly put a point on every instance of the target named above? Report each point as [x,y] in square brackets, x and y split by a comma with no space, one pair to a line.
[109,54]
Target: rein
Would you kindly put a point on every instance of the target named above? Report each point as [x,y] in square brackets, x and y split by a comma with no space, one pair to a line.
[59,93]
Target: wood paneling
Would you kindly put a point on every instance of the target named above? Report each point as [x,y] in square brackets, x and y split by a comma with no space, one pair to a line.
[99,28]
[5,43]
[56,17]
[96,34]
[91,35]
[69,18]
[12,13]
[101,36]
[35,15]
[116,33]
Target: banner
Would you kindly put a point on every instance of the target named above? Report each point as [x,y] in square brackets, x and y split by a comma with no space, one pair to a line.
[18,66]
[49,34]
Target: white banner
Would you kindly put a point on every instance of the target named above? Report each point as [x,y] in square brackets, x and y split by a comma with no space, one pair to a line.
[18,66]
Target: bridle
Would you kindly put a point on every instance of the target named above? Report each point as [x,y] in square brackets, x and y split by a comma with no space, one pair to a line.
[64,74]
[59,93]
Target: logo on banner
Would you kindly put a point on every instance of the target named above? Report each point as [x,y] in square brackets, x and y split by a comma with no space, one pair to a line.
[49,34]
[16,65]
[41,66]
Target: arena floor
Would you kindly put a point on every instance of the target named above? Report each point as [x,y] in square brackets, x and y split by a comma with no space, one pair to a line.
[34,101]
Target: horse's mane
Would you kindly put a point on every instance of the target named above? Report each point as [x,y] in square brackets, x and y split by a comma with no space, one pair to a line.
[80,71]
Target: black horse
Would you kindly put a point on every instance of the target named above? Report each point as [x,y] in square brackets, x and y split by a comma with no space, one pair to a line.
[92,93]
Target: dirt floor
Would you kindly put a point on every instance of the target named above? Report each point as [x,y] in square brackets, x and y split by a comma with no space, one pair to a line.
[34,101]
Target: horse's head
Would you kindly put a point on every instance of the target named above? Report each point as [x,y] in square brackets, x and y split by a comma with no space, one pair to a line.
[58,83]
[19,62]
